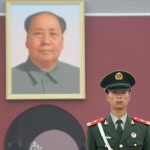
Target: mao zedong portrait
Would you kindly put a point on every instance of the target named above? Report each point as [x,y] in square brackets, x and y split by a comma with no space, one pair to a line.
[43,72]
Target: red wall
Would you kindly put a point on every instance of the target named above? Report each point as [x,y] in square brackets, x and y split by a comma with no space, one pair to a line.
[111,43]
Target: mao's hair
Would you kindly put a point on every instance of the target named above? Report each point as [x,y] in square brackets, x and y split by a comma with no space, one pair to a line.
[28,20]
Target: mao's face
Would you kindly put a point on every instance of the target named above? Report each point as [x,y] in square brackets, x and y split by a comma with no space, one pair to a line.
[44,39]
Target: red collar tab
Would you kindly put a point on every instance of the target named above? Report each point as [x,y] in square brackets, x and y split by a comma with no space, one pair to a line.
[95,121]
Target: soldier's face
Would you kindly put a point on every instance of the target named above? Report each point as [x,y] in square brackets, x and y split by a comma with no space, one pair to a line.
[44,39]
[118,99]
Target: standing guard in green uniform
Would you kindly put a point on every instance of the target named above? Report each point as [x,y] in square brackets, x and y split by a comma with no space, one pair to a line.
[118,131]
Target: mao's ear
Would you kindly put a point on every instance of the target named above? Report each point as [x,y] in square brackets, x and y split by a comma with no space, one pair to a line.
[62,44]
[26,43]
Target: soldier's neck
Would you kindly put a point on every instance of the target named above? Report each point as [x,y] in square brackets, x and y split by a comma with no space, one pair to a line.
[118,113]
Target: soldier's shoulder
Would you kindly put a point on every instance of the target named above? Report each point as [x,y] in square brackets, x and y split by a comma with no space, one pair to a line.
[94,122]
[141,120]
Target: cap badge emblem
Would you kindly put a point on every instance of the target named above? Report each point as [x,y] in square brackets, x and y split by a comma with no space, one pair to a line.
[119,76]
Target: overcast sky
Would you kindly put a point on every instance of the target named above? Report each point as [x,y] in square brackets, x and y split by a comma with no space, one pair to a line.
[109,6]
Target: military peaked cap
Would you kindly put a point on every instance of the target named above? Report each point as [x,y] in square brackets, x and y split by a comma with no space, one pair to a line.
[118,79]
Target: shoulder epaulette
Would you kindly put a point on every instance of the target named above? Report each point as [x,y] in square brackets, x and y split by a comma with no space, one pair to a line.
[95,122]
[141,120]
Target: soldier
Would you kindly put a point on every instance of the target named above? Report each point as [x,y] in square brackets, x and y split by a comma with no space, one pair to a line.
[118,131]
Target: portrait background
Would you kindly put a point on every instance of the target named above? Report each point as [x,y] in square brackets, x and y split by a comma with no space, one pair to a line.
[71,13]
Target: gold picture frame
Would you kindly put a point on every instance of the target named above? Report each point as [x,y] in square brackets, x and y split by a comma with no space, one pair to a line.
[73,54]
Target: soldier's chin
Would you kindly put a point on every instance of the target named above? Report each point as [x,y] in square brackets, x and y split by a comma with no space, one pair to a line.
[119,108]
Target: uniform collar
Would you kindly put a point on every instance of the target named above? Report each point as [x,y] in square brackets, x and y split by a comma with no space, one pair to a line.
[114,118]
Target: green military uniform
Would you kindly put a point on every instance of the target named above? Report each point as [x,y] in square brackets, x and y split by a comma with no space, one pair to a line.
[136,135]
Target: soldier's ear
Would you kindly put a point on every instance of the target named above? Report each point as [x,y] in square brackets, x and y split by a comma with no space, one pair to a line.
[106,91]
[107,96]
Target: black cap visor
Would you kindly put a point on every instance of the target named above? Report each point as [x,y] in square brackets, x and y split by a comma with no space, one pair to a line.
[118,86]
